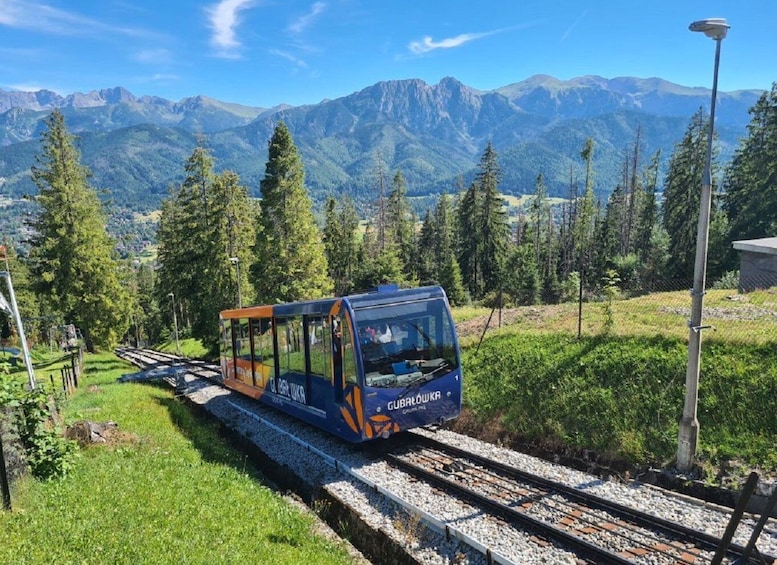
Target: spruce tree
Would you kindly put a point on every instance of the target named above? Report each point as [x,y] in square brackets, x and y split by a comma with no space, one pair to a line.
[72,258]
[469,241]
[495,229]
[400,225]
[751,178]
[206,224]
[340,243]
[585,218]
[427,267]
[290,261]
[682,193]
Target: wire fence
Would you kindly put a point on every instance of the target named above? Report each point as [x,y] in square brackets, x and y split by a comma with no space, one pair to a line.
[664,309]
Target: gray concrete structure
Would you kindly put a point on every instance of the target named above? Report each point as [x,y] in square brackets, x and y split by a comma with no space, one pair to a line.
[758,264]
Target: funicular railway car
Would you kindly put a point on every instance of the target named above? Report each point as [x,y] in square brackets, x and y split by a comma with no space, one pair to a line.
[361,367]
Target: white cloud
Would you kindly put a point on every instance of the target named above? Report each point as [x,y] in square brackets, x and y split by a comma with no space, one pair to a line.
[428,44]
[33,16]
[224,21]
[289,57]
[302,22]
[573,26]
[153,56]
[30,88]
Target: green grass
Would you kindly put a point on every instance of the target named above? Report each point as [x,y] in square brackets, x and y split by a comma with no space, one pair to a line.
[622,394]
[167,489]
[191,348]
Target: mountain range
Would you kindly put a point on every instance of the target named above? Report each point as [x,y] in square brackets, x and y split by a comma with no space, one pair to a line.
[136,146]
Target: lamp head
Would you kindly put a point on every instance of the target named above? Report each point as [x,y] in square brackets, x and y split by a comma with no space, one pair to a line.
[170,294]
[234,260]
[716,28]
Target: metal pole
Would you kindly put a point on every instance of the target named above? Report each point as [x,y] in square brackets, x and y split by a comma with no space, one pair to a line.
[687,440]
[236,261]
[20,329]
[175,324]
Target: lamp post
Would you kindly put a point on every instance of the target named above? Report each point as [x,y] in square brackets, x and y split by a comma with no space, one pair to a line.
[688,435]
[236,262]
[175,323]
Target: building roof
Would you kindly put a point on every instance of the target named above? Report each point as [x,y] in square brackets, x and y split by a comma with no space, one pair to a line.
[765,245]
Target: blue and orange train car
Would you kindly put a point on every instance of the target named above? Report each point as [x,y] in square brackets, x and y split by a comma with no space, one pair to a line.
[361,367]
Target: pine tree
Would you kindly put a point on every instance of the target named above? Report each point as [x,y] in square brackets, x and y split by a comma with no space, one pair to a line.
[72,257]
[682,193]
[290,261]
[495,228]
[205,236]
[400,225]
[340,243]
[751,178]
[585,218]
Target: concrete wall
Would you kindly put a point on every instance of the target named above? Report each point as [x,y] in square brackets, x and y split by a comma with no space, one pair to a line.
[757,270]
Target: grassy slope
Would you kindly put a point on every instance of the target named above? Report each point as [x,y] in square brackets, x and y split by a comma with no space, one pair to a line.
[167,489]
[622,394]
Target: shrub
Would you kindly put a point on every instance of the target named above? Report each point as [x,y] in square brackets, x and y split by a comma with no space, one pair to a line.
[49,455]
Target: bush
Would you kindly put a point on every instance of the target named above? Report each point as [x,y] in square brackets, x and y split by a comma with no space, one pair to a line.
[49,455]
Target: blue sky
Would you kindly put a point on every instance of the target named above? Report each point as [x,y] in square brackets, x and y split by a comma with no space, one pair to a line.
[268,52]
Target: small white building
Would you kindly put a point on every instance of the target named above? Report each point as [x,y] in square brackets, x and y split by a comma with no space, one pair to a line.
[758,263]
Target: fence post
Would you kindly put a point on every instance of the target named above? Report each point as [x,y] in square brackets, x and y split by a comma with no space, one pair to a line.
[4,476]
[73,365]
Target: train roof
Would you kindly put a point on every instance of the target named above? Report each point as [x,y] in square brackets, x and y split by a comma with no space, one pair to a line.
[384,294]
[392,294]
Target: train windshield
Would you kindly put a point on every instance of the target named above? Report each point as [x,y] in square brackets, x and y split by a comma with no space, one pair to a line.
[402,344]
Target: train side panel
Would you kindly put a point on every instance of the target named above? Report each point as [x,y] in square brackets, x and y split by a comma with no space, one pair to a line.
[308,360]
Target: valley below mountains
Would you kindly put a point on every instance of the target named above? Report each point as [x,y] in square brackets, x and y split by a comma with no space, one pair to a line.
[435,134]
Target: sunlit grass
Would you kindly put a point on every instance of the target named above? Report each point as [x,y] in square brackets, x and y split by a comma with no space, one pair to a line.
[166,489]
[748,318]
[191,348]
[620,390]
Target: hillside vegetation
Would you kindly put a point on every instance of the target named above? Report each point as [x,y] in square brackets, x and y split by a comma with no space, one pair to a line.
[533,381]
[164,485]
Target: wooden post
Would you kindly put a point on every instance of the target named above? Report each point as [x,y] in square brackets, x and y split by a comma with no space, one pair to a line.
[73,365]
[4,477]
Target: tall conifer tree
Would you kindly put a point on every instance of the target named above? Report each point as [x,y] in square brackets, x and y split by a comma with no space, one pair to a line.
[751,178]
[72,257]
[682,193]
[290,261]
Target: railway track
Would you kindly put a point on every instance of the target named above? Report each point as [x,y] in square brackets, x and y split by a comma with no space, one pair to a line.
[591,527]
[598,529]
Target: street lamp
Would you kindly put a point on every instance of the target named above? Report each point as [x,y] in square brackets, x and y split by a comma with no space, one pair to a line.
[688,435]
[175,323]
[236,262]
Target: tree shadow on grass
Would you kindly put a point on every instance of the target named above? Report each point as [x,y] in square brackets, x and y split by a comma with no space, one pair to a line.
[210,437]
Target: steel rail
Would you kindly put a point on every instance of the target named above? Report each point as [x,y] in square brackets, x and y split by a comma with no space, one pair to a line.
[639,517]
[430,521]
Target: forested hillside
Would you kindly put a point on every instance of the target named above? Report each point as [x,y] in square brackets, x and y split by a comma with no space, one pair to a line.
[433,133]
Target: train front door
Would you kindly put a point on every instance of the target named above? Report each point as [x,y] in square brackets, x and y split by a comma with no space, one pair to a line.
[335,323]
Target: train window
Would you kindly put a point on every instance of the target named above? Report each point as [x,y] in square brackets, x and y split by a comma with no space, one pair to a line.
[291,351]
[402,342]
[261,335]
[242,343]
[318,346]
[349,359]
[226,340]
